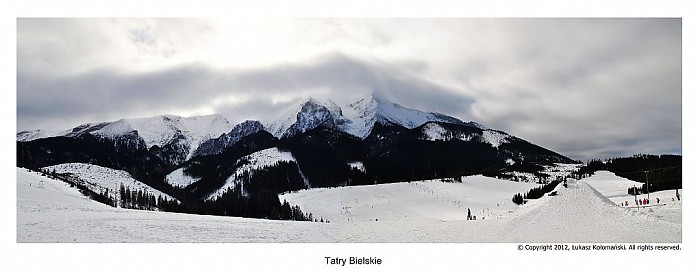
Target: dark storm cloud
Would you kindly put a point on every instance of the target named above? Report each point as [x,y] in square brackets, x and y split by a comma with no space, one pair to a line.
[109,93]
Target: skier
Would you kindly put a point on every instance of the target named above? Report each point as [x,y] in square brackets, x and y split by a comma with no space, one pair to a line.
[657,200]
[678,196]
[626,203]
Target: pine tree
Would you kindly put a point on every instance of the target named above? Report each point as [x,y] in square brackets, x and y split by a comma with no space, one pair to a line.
[122,195]
[127,198]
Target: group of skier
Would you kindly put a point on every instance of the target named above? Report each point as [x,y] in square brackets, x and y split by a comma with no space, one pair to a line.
[644,201]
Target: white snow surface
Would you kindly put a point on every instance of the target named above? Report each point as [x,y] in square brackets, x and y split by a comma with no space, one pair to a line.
[611,185]
[50,211]
[432,199]
[614,188]
[434,132]
[365,111]
[30,135]
[100,178]
[495,138]
[249,163]
[178,178]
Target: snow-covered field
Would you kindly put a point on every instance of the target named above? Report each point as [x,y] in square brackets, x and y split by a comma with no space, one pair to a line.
[436,200]
[431,211]
[100,178]
[51,211]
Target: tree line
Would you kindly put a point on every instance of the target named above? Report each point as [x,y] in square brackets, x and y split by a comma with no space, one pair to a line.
[535,193]
[143,200]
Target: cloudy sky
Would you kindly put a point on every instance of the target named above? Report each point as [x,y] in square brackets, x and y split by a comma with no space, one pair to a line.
[586,88]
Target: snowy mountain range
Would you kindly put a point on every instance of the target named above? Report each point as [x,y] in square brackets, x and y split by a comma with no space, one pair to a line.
[355,116]
[211,134]
[239,170]
[183,134]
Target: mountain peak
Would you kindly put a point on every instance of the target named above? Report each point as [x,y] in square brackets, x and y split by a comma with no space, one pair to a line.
[356,116]
[218,145]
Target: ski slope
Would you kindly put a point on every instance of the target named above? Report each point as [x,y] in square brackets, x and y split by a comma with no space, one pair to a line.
[51,211]
[614,188]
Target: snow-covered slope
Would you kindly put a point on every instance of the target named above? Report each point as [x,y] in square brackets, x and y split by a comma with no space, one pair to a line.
[99,178]
[218,145]
[355,116]
[304,116]
[434,131]
[434,199]
[41,191]
[246,166]
[494,137]
[51,211]
[611,185]
[663,205]
[29,135]
[367,110]
[579,213]
[161,130]
[24,136]
[178,178]
[158,130]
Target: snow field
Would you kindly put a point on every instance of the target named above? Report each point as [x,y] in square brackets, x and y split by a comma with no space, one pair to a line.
[434,199]
[495,138]
[100,178]
[580,213]
[178,178]
[51,211]
[615,188]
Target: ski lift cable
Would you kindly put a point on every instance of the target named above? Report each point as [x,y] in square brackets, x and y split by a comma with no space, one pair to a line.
[648,170]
